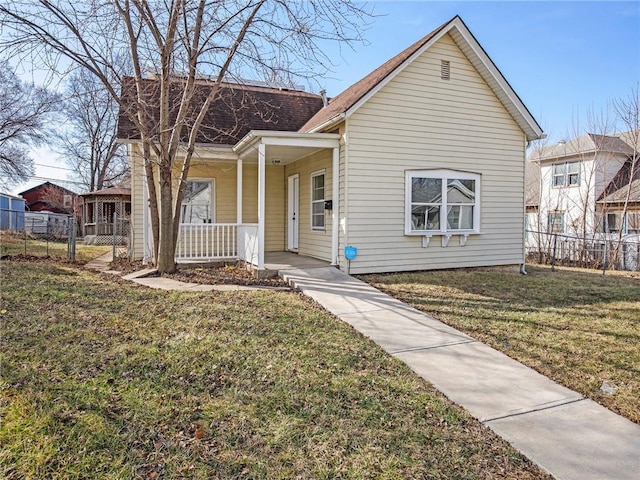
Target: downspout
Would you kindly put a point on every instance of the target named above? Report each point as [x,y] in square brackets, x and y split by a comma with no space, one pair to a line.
[523,267]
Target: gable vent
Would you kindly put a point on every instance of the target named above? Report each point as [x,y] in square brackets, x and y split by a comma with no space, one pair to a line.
[445,70]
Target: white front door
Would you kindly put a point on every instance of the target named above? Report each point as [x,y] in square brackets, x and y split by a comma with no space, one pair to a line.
[293,213]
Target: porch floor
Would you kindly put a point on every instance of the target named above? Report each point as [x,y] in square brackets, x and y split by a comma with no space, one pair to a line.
[276,261]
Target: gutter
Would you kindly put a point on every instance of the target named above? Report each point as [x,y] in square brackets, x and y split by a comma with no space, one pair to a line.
[329,123]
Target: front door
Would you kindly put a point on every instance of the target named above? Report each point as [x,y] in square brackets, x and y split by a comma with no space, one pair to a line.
[293,213]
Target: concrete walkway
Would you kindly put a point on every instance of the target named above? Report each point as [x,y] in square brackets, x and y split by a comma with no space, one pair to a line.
[571,437]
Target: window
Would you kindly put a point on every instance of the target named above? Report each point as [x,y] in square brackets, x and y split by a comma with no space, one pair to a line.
[614,222]
[611,223]
[197,205]
[555,222]
[67,200]
[566,174]
[317,201]
[441,201]
[633,222]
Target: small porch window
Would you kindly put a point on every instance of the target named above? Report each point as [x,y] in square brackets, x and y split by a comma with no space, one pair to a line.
[317,201]
[198,202]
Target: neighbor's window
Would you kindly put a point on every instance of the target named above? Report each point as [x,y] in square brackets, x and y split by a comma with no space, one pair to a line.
[611,223]
[555,222]
[317,201]
[197,205]
[566,174]
[441,201]
[614,222]
[633,222]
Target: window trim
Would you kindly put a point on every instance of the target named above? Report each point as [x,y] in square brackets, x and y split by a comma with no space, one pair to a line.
[317,228]
[563,225]
[212,181]
[444,175]
[566,175]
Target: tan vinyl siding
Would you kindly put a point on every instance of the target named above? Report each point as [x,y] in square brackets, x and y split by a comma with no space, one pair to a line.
[312,243]
[137,203]
[419,121]
[225,175]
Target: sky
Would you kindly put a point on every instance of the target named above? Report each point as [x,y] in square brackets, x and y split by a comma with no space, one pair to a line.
[567,60]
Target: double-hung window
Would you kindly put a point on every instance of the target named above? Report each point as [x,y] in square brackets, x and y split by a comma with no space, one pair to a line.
[566,174]
[317,201]
[441,202]
[555,222]
[197,204]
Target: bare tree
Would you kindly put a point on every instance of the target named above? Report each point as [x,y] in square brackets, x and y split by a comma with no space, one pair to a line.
[179,40]
[88,141]
[628,112]
[24,110]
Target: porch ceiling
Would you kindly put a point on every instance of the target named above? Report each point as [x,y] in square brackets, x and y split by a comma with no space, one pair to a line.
[283,148]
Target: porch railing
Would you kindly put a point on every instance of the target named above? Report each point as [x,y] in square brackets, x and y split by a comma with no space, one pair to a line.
[217,241]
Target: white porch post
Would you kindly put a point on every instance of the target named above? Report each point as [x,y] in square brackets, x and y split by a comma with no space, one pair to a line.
[335,212]
[239,192]
[261,202]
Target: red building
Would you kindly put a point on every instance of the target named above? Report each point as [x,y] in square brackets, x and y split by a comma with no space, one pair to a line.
[51,198]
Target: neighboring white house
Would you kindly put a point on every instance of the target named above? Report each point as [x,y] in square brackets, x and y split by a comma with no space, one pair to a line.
[580,189]
[419,165]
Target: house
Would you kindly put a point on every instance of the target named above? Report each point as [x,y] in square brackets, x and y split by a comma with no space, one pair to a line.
[106,213]
[582,187]
[11,212]
[419,165]
[51,198]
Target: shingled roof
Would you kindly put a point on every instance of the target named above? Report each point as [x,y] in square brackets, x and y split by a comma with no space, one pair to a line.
[616,191]
[237,110]
[582,145]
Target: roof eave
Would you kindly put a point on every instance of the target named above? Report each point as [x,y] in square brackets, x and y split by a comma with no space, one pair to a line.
[483,63]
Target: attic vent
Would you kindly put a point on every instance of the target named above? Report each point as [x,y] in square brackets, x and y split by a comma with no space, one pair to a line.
[445,70]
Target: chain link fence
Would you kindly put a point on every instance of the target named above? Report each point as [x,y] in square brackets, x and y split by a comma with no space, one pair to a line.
[598,252]
[39,234]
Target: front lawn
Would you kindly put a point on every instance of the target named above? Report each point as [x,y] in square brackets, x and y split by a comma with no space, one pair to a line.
[17,244]
[577,327]
[105,379]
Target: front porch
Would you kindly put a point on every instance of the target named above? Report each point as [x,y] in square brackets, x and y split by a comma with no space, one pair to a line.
[278,218]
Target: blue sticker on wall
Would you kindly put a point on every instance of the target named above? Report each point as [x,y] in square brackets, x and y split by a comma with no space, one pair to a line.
[350,252]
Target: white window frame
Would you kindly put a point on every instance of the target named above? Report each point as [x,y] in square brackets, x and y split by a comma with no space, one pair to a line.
[212,182]
[550,224]
[317,228]
[561,174]
[445,176]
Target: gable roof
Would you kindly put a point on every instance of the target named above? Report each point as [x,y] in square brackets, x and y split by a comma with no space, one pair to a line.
[237,110]
[44,185]
[350,99]
[616,191]
[109,191]
[584,144]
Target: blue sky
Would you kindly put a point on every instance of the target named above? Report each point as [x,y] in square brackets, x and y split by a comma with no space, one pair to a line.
[564,59]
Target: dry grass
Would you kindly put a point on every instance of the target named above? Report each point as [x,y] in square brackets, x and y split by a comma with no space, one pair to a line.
[575,326]
[17,244]
[102,379]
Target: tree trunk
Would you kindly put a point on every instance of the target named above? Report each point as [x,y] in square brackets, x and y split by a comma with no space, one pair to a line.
[167,246]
